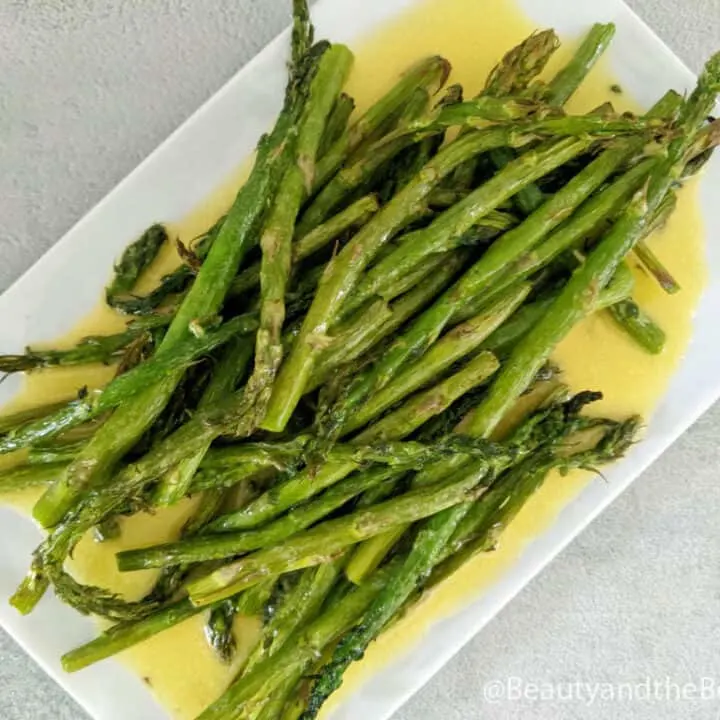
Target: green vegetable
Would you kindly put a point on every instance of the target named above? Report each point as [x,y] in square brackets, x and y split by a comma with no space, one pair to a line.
[136,258]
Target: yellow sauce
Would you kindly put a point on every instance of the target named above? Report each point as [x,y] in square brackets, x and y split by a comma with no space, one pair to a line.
[473,35]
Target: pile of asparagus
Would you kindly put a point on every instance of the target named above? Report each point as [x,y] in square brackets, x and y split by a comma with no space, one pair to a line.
[350,370]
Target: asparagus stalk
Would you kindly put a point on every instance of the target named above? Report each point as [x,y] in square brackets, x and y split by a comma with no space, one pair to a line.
[136,258]
[561,88]
[204,298]
[337,122]
[591,215]
[124,635]
[577,298]
[453,346]
[356,215]
[397,424]
[12,421]
[514,246]
[365,166]
[174,283]
[124,388]
[411,160]
[351,341]
[343,273]
[522,64]
[299,607]
[41,455]
[323,542]
[219,631]
[449,228]
[92,349]
[25,477]
[430,73]
[299,652]
[512,76]
[276,239]
[230,369]
[703,148]
[482,527]
[505,338]
[427,551]
[641,328]
[648,258]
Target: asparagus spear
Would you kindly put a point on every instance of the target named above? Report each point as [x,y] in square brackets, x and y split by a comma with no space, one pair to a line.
[229,544]
[219,631]
[136,258]
[430,73]
[522,64]
[426,552]
[642,328]
[343,273]
[15,420]
[453,346]
[350,342]
[299,607]
[703,148]
[449,228]
[123,389]
[276,239]
[481,528]
[515,245]
[356,215]
[29,476]
[92,349]
[229,370]
[568,80]
[504,339]
[298,653]
[576,299]
[124,635]
[47,454]
[174,283]
[356,174]
[648,258]
[337,122]
[205,297]
[512,76]
[397,424]
[324,541]
[558,93]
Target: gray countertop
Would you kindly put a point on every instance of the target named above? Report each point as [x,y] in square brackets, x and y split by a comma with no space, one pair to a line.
[88,89]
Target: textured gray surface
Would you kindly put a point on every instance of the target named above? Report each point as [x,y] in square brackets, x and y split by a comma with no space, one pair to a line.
[88,89]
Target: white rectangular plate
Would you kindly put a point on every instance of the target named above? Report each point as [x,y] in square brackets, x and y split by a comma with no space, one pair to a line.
[173,180]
